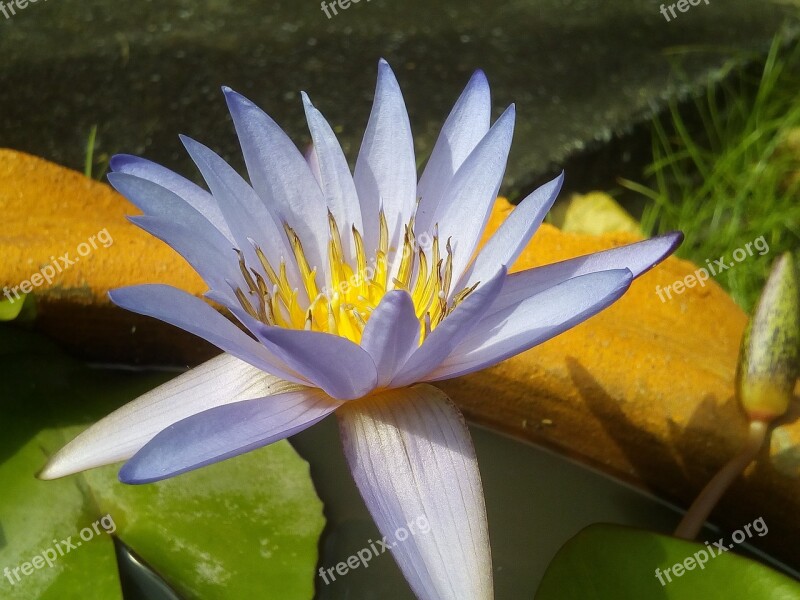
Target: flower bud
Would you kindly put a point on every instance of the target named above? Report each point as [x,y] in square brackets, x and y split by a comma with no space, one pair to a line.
[769,359]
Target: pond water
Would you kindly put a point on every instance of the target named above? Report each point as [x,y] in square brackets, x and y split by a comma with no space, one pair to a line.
[535,501]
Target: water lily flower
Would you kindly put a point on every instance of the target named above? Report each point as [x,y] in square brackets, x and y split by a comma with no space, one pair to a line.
[351,293]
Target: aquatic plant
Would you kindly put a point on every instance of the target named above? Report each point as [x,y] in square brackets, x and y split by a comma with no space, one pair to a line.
[355,291]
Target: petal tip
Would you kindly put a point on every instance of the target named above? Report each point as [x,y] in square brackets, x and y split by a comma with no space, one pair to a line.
[119,162]
[554,185]
[191,145]
[127,475]
[509,114]
[386,74]
[673,240]
[479,76]
[135,472]
[117,175]
[235,99]
[677,238]
[60,465]
[48,472]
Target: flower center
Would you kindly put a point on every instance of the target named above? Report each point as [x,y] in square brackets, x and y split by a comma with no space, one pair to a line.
[344,307]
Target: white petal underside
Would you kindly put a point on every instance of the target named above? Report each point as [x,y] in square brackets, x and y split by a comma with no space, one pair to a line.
[124,432]
[412,459]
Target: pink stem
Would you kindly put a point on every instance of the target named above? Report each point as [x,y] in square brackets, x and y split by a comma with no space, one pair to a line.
[698,512]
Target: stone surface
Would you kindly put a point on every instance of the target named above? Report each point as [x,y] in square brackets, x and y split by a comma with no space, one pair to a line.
[593,213]
[643,391]
[48,212]
[580,71]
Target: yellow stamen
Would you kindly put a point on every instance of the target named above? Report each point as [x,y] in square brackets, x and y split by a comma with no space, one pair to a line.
[422,277]
[335,254]
[245,272]
[245,303]
[308,275]
[448,270]
[273,278]
[406,261]
[383,238]
[355,290]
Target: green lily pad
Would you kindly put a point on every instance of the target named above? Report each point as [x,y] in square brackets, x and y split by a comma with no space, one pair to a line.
[10,309]
[244,528]
[611,561]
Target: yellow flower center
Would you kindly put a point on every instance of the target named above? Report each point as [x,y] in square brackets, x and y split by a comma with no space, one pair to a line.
[355,290]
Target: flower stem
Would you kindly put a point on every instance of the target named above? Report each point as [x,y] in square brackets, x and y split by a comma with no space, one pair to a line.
[697,514]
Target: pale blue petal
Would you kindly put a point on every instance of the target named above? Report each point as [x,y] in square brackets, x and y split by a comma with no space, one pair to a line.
[214,266]
[157,201]
[335,364]
[533,321]
[334,177]
[281,176]
[514,233]
[391,334]
[313,164]
[469,199]
[412,459]
[248,217]
[224,432]
[191,314]
[385,173]
[447,335]
[638,258]
[181,226]
[192,194]
[302,350]
[464,128]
